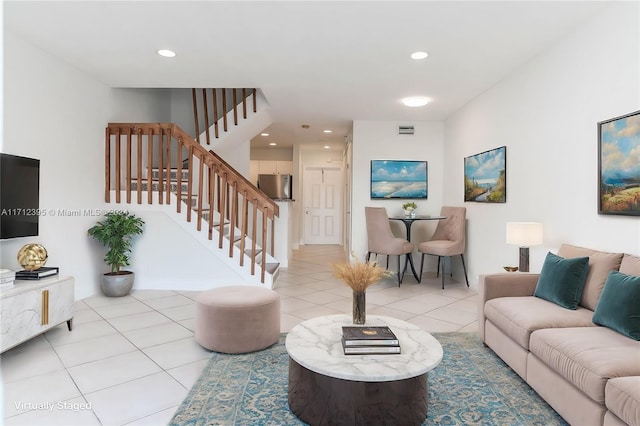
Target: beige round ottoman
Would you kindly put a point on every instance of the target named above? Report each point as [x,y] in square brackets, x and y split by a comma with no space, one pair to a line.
[237,319]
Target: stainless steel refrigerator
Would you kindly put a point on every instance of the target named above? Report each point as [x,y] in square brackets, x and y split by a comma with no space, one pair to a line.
[278,187]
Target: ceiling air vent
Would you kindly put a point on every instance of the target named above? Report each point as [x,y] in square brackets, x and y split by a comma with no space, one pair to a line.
[405,130]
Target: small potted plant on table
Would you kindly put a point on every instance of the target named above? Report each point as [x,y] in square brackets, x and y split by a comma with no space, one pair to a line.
[409,209]
[115,232]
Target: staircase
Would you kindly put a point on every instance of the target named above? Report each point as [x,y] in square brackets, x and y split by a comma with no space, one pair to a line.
[159,163]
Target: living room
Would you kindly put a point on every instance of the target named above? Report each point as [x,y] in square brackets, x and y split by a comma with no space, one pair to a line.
[545,112]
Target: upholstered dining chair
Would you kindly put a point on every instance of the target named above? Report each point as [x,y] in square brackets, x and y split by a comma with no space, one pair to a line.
[448,240]
[381,240]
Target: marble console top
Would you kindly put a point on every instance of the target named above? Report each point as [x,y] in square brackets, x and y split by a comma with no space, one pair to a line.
[26,286]
[316,344]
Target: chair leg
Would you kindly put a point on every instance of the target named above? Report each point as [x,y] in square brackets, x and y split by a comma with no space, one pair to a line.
[438,269]
[368,255]
[465,269]
[421,266]
[400,272]
[444,260]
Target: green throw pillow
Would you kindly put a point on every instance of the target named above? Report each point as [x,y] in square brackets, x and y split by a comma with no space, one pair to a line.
[561,280]
[619,305]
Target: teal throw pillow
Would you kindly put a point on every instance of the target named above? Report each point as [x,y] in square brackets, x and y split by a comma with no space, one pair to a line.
[562,280]
[619,304]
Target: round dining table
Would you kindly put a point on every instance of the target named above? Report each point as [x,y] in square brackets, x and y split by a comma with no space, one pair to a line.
[408,222]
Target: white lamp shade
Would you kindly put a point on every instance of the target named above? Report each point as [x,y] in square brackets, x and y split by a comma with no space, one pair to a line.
[524,234]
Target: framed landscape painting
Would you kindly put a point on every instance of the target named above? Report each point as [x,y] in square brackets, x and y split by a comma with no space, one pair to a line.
[619,165]
[393,179]
[485,176]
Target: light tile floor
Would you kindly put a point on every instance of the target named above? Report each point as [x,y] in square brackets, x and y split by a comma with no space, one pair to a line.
[132,360]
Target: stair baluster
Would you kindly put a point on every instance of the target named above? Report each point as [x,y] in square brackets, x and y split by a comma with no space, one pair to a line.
[235,200]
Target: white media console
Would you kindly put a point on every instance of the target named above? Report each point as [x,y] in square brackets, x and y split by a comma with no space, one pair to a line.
[32,307]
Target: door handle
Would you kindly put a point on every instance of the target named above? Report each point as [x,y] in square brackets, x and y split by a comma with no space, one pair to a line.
[307,212]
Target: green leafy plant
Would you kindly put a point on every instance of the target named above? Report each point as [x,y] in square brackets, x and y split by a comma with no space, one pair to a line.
[409,205]
[115,232]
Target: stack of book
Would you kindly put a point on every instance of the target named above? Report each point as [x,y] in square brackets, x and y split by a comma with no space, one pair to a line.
[37,274]
[7,277]
[369,340]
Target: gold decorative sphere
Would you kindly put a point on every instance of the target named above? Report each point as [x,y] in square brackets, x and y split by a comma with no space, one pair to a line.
[32,256]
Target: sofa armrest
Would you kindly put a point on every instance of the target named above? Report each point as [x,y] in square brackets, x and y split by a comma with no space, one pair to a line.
[506,284]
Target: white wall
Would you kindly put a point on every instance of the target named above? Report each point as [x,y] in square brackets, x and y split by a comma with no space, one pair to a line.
[381,141]
[182,110]
[57,114]
[140,105]
[186,262]
[546,115]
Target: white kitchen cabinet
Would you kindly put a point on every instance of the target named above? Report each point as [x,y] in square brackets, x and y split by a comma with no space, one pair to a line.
[284,167]
[273,167]
[268,167]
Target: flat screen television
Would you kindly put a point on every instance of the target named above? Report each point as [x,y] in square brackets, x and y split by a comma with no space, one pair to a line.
[19,196]
[398,179]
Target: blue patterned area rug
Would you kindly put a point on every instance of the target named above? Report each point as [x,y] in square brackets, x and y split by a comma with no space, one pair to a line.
[471,386]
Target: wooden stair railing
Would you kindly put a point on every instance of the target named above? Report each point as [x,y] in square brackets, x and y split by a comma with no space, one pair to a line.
[220,107]
[231,198]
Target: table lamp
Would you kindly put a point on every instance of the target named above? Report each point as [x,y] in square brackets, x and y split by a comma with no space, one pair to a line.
[524,235]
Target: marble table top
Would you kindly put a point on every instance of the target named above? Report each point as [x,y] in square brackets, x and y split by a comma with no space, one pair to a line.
[316,344]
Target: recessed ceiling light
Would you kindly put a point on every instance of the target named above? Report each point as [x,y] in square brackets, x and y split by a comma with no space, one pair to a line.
[419,55]
[273,143]
[264,134]
[166,53]
[326,147]
[415,101]
[327,131]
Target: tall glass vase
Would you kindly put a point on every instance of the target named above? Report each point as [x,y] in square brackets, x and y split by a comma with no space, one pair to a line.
[359,307]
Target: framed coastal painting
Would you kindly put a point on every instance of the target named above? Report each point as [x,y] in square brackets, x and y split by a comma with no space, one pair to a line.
[394,179]
[485,176]
[619,165]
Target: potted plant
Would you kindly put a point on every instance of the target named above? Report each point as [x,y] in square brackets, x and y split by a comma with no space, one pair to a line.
[115,232]
[409,208]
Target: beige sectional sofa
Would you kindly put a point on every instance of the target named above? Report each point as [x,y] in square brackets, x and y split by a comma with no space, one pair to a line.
[589,374]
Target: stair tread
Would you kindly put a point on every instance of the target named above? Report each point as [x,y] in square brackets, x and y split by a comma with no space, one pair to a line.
[272,267]
[247,251]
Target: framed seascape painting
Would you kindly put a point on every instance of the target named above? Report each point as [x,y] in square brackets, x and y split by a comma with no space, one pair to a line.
[485,176]
[619,165]
[393,179]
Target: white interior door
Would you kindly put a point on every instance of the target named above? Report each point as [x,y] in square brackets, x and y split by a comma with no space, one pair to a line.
[322,211]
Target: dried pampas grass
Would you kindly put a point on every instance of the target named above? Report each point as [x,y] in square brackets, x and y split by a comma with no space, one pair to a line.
[359,275]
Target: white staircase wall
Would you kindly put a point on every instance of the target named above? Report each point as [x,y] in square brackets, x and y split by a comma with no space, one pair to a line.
[172,254]
[239,135]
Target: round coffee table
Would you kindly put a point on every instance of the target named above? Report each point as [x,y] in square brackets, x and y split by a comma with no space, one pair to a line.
[328,387]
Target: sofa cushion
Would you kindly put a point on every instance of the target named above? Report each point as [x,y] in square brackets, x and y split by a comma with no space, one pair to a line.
[561,280]
[587,356]
[518,317]
[619,305]
[622,398]
[630,265]
[600,263]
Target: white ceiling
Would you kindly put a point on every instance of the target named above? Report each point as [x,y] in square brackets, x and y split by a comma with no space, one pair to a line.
[322,63]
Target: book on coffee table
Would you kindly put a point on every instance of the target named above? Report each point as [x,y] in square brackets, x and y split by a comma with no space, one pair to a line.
[368,336]
[370,350]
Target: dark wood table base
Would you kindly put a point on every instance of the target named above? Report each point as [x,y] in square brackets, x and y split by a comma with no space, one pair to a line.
[322,400]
